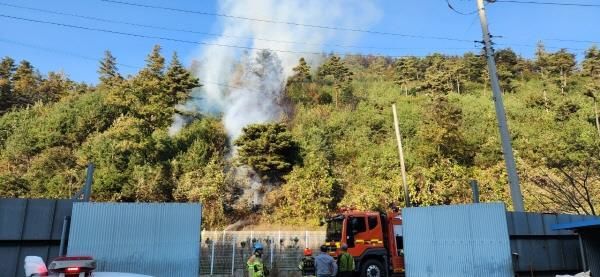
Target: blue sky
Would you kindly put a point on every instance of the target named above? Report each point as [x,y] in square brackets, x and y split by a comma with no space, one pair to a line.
[76,51]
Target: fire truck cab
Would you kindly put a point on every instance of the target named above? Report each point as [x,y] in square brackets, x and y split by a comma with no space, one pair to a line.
[374,240]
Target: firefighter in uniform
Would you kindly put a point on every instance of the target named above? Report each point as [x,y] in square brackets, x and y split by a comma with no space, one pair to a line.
[256,268]
[307,265]
[346,262]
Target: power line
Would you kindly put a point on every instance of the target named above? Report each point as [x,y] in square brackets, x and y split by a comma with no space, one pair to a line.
[152,37]
[179,40]
[284,22]
[574,40]
[62,52]
[551,3]
[457,11]
[206,33]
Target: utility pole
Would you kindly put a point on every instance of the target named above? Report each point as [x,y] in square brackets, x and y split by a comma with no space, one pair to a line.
[401,152]
[511,167]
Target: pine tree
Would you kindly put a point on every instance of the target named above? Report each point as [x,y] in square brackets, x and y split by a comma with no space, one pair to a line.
[108,71]
[301,72]
[342,76]
[25,84]
[438,78]
[155,64]
[561,65]
[7,69]
[52,88]
[506,61]
[474,67]
[591,63]
[406,69]
[179,82]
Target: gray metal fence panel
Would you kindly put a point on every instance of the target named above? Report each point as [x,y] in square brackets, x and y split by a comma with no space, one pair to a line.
[541,250]
[12,216]
[458,240]
[157,239]
[29,227]
[591,240]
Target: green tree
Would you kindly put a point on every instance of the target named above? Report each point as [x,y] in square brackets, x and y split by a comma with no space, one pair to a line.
[438,77]
[268,149]
[155,64]
[54,87]
[25,84]
[406,71]
[179,82]
[307,194]
[342,77]
[442,134]
[591,63]
[474,66]
[301,72]
[146,95]
[108,71]
[561,65]
[208,186]
[506,61]
[7,69]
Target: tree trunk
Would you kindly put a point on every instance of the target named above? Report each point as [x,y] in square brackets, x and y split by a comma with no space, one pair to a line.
[458,85]
[597,119]
[562,83]
[545,99]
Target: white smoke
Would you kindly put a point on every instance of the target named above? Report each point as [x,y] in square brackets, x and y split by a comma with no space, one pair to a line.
[245,86]
[251,94]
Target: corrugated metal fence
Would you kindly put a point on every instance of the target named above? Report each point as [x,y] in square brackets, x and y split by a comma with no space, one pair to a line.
[457,240]
[538,249]
[157,239]
[29,227]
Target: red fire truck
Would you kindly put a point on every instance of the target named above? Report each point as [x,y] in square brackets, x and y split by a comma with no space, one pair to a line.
[374,239]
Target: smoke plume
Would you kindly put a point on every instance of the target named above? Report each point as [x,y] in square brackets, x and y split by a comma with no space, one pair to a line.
[245,85]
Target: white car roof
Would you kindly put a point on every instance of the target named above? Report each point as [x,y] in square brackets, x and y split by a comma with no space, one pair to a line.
[117,274]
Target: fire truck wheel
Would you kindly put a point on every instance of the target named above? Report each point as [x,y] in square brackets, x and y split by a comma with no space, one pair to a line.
[372,268]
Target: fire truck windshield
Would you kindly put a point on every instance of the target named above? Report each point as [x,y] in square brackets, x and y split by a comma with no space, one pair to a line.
[334,229]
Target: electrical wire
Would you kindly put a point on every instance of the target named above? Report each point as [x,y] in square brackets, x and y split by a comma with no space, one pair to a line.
[150,36]
[62,52]
[459,12]
[319,53]
[201,33]
[285,22]
[552,3]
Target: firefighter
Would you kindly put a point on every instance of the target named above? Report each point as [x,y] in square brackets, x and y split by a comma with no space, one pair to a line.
[324,264]
[346,263]
[307,265]
[256,268]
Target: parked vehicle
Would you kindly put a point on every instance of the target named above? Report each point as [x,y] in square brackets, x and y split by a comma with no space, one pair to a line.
[374,240]
[78,266]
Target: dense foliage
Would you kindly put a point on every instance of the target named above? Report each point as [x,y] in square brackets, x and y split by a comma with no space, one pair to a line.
[336,146]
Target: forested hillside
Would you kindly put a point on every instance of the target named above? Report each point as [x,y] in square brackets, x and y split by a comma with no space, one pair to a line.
[334,147]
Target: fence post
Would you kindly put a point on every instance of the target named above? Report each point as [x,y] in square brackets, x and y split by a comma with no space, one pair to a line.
[233,256]
[212,258]
[272,248]
[305,239]
[279,240]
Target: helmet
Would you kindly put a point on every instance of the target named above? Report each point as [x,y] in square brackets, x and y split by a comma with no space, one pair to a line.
[307,252]
[258,246]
